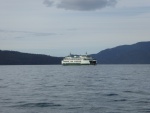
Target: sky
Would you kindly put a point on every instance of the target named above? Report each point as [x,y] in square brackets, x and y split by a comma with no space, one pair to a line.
[61,27]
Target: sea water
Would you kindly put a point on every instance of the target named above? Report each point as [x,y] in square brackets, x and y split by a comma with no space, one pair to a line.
[75,89]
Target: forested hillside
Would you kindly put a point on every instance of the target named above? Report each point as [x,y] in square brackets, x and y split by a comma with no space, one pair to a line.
[18,58]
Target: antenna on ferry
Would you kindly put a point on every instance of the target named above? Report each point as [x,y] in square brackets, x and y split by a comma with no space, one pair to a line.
[86,53]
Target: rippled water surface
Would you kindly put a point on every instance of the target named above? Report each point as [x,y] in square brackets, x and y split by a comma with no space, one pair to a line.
[75,89]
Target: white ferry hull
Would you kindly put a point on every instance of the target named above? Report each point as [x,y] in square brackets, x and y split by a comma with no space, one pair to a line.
[93,62]
[76,64]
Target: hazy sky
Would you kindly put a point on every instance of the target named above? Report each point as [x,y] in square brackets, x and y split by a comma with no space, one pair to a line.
[58,27]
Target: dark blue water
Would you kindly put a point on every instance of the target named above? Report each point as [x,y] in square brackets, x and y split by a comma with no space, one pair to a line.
[75,89]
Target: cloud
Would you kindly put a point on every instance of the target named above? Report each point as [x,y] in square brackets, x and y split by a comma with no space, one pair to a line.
[48,3]
[81,5]
[5,34]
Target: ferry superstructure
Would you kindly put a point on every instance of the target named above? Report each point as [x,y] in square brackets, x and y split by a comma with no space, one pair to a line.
[78,60]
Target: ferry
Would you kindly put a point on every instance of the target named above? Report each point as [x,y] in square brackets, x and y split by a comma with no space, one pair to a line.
[78,60]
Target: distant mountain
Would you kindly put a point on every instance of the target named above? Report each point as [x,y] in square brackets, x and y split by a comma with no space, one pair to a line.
[138,53]
[18,58]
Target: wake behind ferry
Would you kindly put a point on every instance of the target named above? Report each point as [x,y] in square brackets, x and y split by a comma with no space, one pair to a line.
[78,60]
